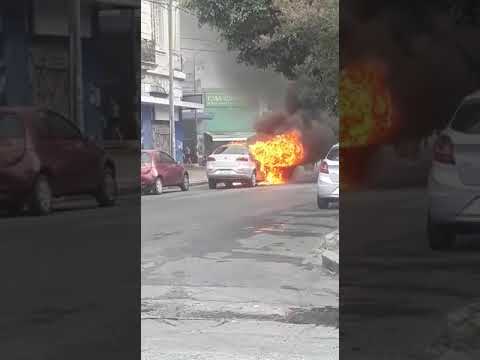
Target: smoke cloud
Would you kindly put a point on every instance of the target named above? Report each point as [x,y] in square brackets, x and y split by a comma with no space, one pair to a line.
[317,135]
[432,56]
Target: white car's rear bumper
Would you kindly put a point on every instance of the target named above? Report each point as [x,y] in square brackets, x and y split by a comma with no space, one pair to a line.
[450,202]
[326,189]
[230,174]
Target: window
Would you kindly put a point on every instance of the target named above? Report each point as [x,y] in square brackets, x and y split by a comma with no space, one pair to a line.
[334,154]
[467,119]
[61,128]
[11,127]
[165,158]
[232,150]
[157,25]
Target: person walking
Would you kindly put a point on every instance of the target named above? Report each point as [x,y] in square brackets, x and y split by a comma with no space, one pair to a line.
[187,155]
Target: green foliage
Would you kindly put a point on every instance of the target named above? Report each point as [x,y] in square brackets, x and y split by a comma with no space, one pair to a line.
[298,38]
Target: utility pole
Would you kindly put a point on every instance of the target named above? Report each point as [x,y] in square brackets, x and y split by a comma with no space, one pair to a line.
[195,111]
[76,76]
[171,70]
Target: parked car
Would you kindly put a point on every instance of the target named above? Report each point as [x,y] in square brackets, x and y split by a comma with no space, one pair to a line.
[43,155]
[232,163]
[328,178]
[454,181]
[160,170]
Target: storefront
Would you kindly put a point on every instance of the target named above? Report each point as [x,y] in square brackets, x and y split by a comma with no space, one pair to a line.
[35,62]
[232,118]
[156,124]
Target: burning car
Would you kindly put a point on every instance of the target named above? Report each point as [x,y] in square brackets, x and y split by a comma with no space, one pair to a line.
[232,163]
[278,155]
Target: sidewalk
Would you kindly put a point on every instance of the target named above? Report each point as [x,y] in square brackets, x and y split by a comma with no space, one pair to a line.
[128,172]
[197,173]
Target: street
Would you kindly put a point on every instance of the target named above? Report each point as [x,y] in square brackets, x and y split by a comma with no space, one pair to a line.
[46,298]
[396,292]
[225,276]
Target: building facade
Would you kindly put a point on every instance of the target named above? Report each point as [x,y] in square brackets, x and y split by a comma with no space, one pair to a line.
[36,62]
[155,97]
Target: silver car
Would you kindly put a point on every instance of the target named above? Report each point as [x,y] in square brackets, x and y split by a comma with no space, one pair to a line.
[328,182]
[232,163]
[454,181]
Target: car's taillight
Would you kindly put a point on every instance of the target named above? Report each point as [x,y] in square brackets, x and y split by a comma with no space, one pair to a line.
[242,159]
[324,167]
[210,158]
[443,150]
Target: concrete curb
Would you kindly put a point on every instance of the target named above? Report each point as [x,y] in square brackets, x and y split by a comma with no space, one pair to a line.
[331,261]
[325,256]
[199,183]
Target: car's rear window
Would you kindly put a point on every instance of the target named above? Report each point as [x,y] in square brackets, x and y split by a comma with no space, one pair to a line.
[146,158]
[232,150]
[467,119]
[334,154]
[11,127]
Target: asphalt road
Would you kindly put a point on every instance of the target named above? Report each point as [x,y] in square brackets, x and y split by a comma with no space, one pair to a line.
[396,293]
[69,283]
[225,276]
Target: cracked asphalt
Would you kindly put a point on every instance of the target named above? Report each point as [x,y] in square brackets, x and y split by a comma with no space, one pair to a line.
[224,275]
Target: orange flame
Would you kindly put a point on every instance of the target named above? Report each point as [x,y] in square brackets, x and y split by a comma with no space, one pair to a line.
[277,154]
[366,109]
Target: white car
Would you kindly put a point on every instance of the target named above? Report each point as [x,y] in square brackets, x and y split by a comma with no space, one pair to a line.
[232,163]
[328,182]
[454,181]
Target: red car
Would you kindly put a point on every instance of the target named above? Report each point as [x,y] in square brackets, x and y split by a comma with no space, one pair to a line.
[159,170]
[43,155]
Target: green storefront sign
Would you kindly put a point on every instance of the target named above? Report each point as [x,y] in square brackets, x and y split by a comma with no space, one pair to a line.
[230,113]
[223,100]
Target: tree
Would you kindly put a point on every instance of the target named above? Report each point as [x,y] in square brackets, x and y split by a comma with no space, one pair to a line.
[298,38]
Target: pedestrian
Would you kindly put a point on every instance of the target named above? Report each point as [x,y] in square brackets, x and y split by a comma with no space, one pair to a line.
[187,155]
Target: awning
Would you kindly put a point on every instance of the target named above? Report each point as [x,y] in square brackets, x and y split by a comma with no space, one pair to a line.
[223,137]
[166,101]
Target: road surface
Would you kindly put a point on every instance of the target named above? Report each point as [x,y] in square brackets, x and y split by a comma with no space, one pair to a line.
[48,308]
[396,292]
[225,276]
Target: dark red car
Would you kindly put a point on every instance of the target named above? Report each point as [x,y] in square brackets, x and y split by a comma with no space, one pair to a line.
[159,170]
[43,156]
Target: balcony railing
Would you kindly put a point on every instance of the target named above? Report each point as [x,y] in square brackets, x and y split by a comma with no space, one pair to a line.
[148,51]
[150,55]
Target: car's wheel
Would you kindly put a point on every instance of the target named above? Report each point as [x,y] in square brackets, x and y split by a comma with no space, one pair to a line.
[108,190]
[186,183]
[212,184]
[41,201]
[253,180]
[158,186]
[322,203]
[440,237]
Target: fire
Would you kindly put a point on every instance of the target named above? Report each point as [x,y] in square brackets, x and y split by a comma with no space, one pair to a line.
[277,154]
[365,105]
